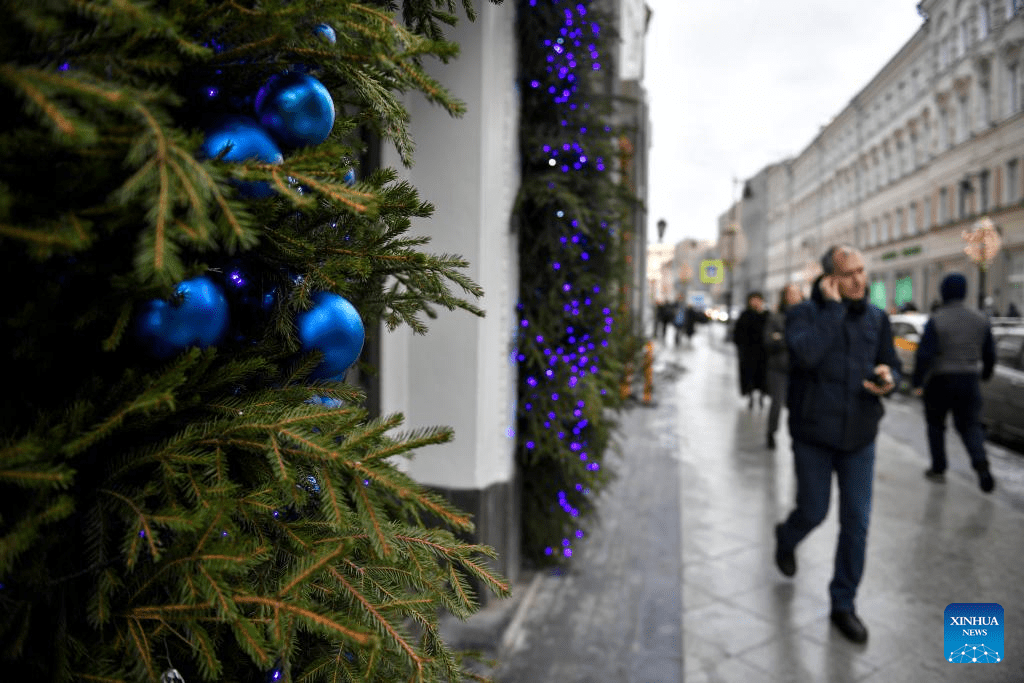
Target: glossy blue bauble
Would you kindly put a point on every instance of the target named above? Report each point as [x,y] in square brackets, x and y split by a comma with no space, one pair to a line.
[350,177]
[244,139]
[200,319]
[326,32]
[296,108]
[334,327]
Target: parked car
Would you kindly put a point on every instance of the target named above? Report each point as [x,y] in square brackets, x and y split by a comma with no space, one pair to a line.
[1003,395]
[907,329]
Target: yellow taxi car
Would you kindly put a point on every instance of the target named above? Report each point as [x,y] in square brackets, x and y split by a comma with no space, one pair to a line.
[907,329]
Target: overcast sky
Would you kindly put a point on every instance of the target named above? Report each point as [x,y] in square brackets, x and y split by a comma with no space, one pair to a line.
[735,85]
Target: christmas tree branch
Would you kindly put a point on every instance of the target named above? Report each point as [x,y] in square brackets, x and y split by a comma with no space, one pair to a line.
[379,620]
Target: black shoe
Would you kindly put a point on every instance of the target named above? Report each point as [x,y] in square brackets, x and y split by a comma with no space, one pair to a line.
[850,626]
[784,560]
[771,442]
[985,480]
[935,475]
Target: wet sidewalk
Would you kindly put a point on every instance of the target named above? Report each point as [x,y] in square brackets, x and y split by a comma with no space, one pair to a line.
[677,580]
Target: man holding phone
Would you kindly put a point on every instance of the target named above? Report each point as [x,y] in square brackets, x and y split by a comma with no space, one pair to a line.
[842,361]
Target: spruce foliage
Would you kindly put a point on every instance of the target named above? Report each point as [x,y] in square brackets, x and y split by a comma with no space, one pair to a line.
[216,512]
[575,328]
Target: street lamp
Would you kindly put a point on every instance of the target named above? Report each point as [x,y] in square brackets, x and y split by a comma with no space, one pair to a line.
[733,251]
[729,260]
[661,229]
[983,244]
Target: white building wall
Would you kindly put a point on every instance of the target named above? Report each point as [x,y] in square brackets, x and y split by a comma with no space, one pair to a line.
[460,373]
[886,173]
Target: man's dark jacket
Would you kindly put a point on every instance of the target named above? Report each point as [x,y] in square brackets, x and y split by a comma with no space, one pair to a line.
[833,347]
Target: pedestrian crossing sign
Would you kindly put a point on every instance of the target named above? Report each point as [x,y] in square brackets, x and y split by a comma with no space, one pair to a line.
[712,271]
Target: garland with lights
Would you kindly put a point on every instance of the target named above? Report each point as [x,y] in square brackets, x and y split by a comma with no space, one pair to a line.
[574,328]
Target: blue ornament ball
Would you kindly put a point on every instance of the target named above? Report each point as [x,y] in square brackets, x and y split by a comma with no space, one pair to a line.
[332,326]
[350,177]
[240,139]
[296,108]
[197,317]
[326,31]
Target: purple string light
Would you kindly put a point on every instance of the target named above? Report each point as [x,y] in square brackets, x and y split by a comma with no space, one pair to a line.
[568,55]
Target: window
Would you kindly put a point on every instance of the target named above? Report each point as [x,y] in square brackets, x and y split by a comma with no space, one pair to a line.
[900,228]
[903,291]
[1012,181]
[1012,94]
[964,190]
[983,191]
[963,39]
[963,129]
[983,20]
[914,222]
[927,213]
[877,293]
[943,204]
[985,106]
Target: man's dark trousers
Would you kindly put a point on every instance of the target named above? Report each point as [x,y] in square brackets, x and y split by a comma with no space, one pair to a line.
[961,395]
[855,472]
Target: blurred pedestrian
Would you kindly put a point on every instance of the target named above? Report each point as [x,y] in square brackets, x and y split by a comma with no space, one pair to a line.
[956,349]
[1012,312]
[778,356]
[691,323]
[659,319]
[841,360]
[748,336]
[664,318]
[679,318]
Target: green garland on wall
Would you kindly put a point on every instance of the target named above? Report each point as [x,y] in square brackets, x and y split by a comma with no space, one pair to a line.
[574,327]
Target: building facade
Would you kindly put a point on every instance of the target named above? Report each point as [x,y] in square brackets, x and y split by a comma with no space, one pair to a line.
[931,145]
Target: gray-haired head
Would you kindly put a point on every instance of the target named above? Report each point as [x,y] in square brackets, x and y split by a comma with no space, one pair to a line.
[828,260]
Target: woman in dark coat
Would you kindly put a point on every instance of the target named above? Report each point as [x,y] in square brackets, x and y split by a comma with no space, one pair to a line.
[749,338]
[691,322]
[778,356]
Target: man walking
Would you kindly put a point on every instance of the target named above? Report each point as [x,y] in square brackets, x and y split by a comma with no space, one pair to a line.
[956,347]
[842,361]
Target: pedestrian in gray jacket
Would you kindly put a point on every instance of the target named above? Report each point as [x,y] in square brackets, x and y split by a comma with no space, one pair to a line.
[956,351]
[778,356]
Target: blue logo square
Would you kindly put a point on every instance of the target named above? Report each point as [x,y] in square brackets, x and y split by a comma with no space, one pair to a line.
[973,633]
